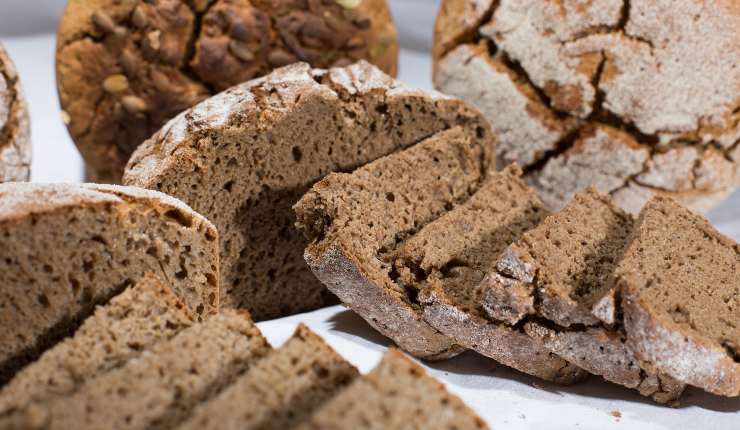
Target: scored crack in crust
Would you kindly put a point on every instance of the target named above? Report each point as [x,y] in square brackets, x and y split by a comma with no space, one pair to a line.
[634,97]
[125,67]
[15,133]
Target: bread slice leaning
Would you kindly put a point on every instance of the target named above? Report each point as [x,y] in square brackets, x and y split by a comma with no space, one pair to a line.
[66,248]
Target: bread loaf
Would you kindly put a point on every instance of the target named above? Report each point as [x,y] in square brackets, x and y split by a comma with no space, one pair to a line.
[15,132]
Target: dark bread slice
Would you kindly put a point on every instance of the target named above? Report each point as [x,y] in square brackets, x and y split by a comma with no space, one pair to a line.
[244,157]
[680,287]
[160,388]
[354,222]
[132,322]
[66,248]
[397,394]
[280,390]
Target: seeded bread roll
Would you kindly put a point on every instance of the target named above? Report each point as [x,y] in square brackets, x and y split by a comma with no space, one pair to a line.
[245,156]
[135,320]
[126,67]
[635,97]
[66,248]
[281,390]
[15,133]
[680,290]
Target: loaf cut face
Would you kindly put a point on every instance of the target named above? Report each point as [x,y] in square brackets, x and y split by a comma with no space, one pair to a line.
[244,157]
[15,130]
[279,391]
[679,281]
[160,388]
[134,321]
[397,394]
[66,248]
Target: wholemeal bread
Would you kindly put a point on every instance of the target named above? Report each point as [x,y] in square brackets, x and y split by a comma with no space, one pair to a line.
[66,248]
[397,394]
[602,93]
[679,284]
[557,281]
[15,133]
[245,156]
[280,390]
[160,388]
[126,67]
[132,322]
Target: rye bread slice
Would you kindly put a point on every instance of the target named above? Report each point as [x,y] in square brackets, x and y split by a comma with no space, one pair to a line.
[160,388]
[279,391]
[397,394]
[66,248]
[680,293]
[355,221]
[244,157]
[134,321]
[558,279]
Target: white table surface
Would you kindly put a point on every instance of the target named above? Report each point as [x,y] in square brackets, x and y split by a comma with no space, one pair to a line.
[504,398]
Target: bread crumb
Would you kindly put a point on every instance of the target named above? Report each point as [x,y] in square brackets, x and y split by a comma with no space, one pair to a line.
[616,414]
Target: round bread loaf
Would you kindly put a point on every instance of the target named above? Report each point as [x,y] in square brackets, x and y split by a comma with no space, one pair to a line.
[244,157]
[124,67]
[636,98]
[15,134]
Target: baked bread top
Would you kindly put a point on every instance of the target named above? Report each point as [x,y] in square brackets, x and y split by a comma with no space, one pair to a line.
[15,132]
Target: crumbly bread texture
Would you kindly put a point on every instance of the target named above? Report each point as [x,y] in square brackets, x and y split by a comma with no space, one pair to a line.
[15,131]
[245,156]
[557,281]
[281,390]
[397,394]
[130,323]
[66,248]
[602,93]
[680,297]
[126,67]
[161,387]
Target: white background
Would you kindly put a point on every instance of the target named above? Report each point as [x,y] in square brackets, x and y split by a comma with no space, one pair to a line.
[505,398]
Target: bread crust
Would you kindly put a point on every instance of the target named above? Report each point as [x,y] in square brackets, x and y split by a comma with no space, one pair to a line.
[15,130]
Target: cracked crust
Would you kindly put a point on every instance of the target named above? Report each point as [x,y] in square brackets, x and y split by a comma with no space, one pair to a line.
[628,66]
[15,132]
[126,67]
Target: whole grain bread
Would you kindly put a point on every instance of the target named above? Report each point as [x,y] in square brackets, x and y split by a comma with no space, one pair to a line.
[160,388]
[279,391]
[397,394]
[132,322]
[679,284]
[15,132]
[126,67]
[244,157]
[66,248]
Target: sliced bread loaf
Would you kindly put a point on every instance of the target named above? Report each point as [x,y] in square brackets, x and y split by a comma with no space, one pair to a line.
[680,288]
[134,321]
[280,390]
[15,130]
[244,157]
[66,248]
[160,388]
[398,394]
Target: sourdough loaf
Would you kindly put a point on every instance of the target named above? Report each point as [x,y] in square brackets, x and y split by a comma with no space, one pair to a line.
[279,391]
[679,283]
[66,248]
[244,157]
[15,133]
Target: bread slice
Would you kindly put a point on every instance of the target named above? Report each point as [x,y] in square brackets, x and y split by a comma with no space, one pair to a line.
[132,322]
[160,388]
[66,248]
[397,394]
[557,281]
[279,391]
[355,221]
[680,288]
[244,157]
[15,129]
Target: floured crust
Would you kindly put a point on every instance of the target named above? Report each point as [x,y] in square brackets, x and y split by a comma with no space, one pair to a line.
[628,66]
[15,131]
